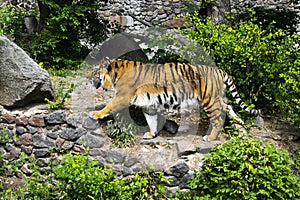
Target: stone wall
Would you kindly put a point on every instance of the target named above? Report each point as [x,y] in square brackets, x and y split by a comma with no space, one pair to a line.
[135,15]
[131,13]
[46,135]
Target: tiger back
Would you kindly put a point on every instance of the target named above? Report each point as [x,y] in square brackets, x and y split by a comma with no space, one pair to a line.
[155,87]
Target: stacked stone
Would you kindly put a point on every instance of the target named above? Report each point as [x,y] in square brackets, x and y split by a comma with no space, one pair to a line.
[145,10]
[46,135]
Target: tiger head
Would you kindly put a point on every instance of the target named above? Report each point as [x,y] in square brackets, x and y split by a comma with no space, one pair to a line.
[103,75]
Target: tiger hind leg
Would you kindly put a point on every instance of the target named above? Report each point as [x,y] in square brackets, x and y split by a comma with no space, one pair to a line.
[217,119]
[155,122]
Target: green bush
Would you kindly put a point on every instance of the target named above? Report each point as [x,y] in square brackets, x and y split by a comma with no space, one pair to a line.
[246,168]
[264,62]
[65,35]
[80,177]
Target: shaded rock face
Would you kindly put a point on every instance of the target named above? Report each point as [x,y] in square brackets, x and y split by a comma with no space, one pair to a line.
[22,81]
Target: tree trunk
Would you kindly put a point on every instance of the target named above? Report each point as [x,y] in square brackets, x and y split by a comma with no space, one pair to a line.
[44,14]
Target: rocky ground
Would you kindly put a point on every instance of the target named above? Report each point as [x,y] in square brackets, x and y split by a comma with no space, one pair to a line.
[182,151]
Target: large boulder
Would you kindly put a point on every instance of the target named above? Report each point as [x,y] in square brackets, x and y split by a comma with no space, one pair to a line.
[22,81]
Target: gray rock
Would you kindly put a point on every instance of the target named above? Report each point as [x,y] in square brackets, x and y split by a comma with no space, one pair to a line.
[116,156]
[185,179]
[20,130]
[178,170]
[90,141]
[171,126]
[130,161]
[6,136]
[172,181]
[42,162]
[14,153]
[259,122]
[207,146]
[22,81]
[74,121]
[97,152]
[52,135]
[31,129]
[127,171]
[91,124]
[67,145]
[72,134]
[42,141]
[41,153]
[56,117]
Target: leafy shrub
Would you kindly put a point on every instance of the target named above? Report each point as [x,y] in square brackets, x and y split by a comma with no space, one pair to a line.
[263,62]
[80,177]
[65,34]
[284,19]
[246,168]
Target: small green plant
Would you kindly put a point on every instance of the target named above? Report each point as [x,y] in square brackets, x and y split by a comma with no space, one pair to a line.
[62,94]
[123,135]
[246,168]
[147,185]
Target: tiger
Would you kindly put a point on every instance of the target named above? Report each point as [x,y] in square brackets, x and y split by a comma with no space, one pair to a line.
[172,86]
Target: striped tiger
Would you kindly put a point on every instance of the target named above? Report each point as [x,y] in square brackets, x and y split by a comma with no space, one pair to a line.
[167,86]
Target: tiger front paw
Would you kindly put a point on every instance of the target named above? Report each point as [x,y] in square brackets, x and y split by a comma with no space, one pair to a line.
[99,115]
[149,135]
[208,138]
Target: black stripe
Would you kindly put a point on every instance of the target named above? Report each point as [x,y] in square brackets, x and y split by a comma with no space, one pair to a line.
[176,106]
[191,72]
[146,71]
[165,98]
[171,100]
[181,70]
[204,92]
[207,108]
[172,72]
[166,91]
[148,95]
[176,66]
[159,99]
[186,70]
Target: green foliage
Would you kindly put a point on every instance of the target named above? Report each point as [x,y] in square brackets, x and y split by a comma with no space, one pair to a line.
[284,19]
[264,62]
[11,18]
[63,92]
[246,168]
[80,177]
[148,185]
[63,38]
[296,159]
[122,132]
